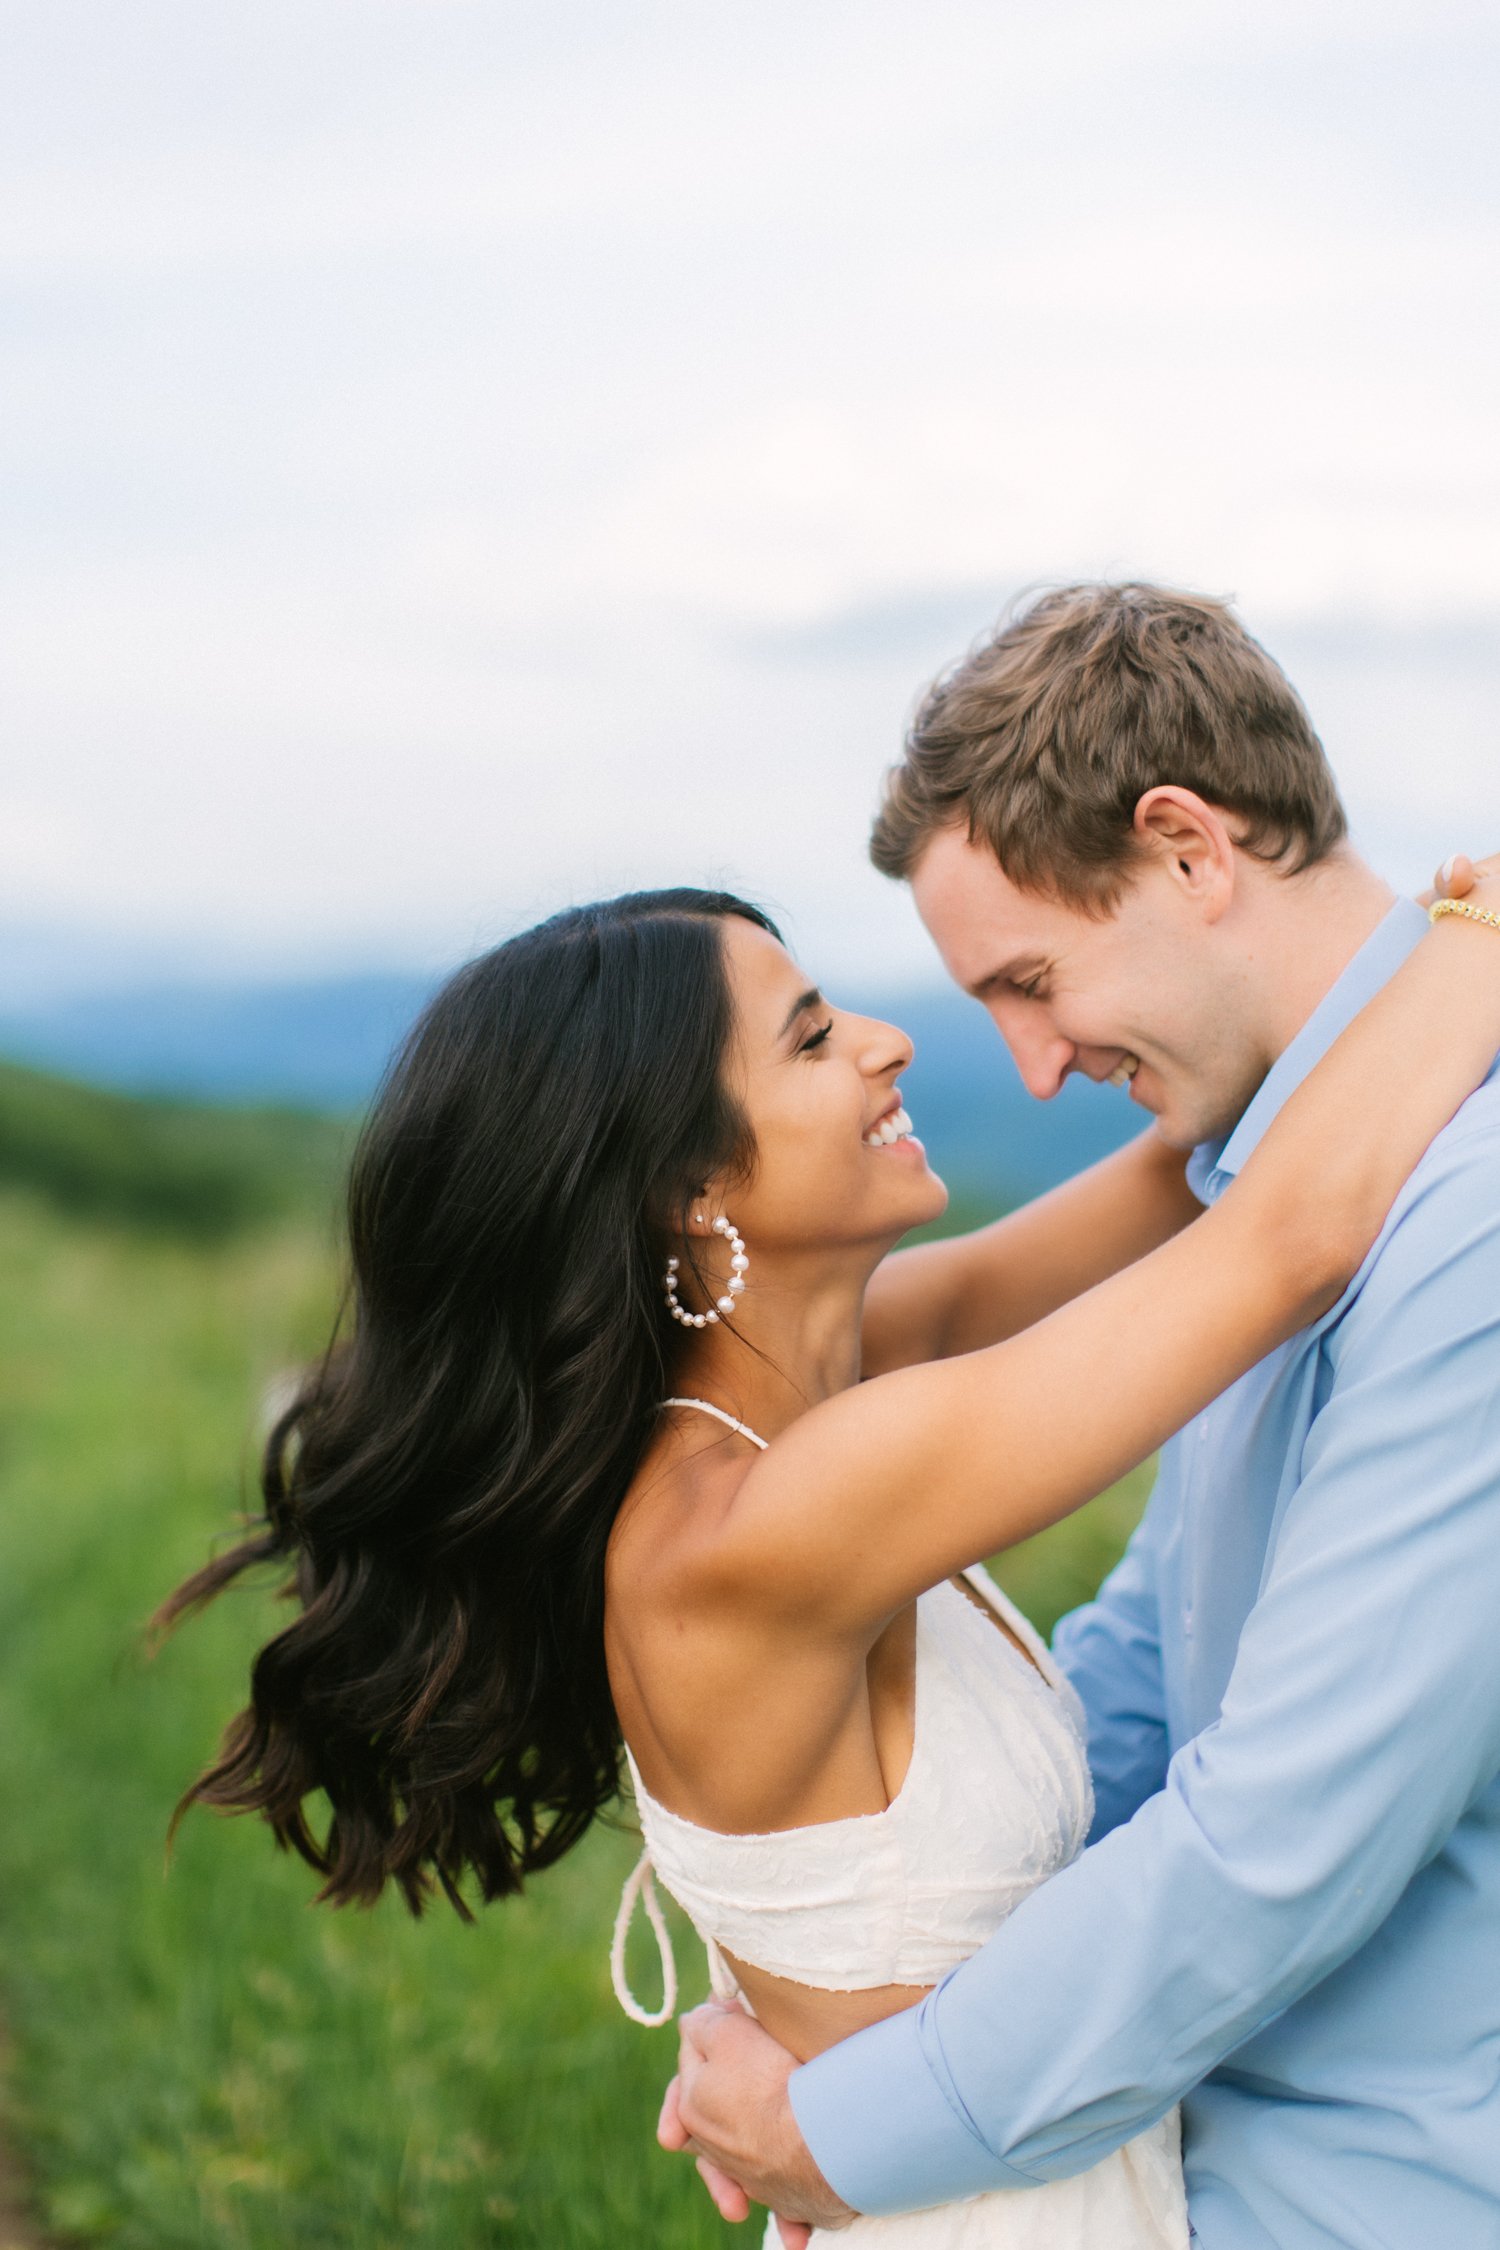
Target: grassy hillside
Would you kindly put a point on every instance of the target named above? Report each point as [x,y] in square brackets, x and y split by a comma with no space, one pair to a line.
[172,1165]
[202,2061]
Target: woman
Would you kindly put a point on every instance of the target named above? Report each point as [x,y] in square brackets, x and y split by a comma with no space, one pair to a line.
[519,1525]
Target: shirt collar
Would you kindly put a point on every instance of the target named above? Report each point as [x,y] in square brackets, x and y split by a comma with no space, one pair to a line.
[1212,1166]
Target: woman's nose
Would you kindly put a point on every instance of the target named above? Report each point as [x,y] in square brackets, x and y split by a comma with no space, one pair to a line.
[886,1047]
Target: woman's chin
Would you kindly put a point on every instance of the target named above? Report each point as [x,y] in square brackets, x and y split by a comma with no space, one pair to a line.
[912,1195]
[940,1197]
[929,1200]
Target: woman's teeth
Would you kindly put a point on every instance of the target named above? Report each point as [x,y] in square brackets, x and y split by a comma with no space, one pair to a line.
[896,1127]
[1124,1070]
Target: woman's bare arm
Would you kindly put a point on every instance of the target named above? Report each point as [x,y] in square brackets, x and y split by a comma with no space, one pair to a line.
[893,1485]
[943,1298]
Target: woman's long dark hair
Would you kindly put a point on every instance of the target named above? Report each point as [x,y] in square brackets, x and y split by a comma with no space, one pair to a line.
[445,1482]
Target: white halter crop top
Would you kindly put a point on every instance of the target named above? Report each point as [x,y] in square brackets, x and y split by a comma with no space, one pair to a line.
[996,1798]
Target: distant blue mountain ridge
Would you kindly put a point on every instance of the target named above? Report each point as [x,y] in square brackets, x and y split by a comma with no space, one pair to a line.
[322,1045]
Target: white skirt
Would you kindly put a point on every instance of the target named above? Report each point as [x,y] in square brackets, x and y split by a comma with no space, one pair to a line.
[1132,2200]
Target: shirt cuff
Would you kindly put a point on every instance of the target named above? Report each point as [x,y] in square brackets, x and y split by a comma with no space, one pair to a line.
[886,2133]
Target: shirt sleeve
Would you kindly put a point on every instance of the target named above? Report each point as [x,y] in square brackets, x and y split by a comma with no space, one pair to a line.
[1111,1652]
[1362,1718]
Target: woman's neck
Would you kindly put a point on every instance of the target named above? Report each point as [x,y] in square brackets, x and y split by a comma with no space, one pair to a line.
[785,1351]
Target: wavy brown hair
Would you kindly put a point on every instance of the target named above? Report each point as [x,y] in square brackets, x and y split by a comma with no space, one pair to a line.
[444,1482]
[1041,742]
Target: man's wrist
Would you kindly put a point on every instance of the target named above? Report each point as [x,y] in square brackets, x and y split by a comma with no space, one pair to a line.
[883,2132]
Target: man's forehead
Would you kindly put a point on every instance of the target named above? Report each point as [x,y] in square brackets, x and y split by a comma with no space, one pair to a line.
[984,926]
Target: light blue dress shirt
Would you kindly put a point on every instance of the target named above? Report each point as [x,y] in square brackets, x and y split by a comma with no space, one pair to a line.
[1289,1916]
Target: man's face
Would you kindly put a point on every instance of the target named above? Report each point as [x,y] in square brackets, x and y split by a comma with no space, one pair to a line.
[1151,992]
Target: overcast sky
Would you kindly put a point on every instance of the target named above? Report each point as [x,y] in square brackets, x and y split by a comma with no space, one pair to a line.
[460,458]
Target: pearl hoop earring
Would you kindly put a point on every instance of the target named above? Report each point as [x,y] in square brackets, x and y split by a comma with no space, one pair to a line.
[739,1265]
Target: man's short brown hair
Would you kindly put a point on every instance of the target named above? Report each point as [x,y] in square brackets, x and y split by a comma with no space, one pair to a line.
[1043,740]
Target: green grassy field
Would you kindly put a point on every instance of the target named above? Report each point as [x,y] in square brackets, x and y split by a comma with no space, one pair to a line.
[178,1166]
[199,2057]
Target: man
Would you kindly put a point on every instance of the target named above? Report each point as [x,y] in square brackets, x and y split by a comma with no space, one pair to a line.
[1289,1914]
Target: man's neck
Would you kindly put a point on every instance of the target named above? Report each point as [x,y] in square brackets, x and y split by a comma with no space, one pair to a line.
[1312,927]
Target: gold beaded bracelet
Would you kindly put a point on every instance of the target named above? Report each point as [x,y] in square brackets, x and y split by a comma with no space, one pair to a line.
[1443,906]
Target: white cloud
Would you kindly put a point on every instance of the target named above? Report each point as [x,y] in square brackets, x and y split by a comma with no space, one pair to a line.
[461,458]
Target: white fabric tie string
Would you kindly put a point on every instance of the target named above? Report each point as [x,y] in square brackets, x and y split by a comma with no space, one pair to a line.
[641,1884]
[741,1429]
[722,1981]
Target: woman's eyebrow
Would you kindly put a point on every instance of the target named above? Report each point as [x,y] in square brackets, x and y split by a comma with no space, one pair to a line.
[812,998]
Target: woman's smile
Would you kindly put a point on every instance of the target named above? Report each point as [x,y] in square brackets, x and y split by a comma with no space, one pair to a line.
[894,1126]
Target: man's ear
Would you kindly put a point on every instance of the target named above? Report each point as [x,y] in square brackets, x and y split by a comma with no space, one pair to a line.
[1187,838]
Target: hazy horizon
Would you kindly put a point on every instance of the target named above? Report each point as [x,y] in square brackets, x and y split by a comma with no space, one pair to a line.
[458,462]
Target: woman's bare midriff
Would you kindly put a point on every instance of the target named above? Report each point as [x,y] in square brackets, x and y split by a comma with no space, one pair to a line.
[806,2021]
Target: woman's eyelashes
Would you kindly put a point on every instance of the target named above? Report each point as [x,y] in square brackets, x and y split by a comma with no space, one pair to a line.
[817,1038]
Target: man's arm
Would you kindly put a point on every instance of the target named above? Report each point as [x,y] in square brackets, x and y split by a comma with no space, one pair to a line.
[1111,1652]
[1362,1718]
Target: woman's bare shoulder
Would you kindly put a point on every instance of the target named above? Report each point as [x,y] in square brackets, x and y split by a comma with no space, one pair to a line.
[671,1524]
[757,1544]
